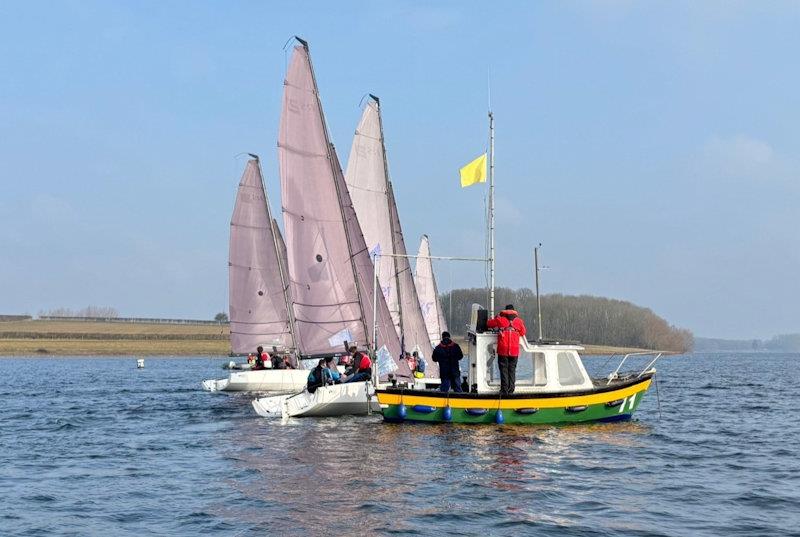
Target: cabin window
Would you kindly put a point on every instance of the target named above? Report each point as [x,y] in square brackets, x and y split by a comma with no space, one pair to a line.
[539,369]
[569,374]
[531,370]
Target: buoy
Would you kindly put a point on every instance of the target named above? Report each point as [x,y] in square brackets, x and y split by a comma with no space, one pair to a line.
[448,413]
[140,363]
[401,411]
[499,419]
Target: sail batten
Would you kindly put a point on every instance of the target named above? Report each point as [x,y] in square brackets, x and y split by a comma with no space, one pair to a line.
[257,303]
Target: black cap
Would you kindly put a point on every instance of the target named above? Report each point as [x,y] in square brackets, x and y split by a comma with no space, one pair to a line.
[509,306]
[445,335]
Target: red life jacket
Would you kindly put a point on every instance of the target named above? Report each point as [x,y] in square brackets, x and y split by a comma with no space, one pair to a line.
[511,328]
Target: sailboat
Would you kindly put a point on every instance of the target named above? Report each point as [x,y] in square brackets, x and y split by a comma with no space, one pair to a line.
[330,271]
[425,283]
[373,198]
[553,386]
[260,312]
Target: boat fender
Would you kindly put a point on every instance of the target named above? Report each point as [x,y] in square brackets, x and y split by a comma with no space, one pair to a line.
[476,411]
[499,419]
[448,413]
[424,409]
[526,411]
[616,402]
[401,411]
[576,409]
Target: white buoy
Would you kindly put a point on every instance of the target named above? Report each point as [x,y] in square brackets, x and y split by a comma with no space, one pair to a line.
[140,363]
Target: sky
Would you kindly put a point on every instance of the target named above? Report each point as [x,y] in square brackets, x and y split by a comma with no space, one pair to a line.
[651,147]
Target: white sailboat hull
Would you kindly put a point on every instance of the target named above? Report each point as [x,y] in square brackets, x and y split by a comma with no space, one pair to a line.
[265,380]
[349,399]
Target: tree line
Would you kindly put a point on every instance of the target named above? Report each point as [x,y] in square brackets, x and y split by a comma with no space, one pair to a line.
[588,319]
[88,311]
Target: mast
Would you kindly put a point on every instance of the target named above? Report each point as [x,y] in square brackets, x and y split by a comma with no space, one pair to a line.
[538,299]
[491,214]
[392,229]
[334,163]
[284,279]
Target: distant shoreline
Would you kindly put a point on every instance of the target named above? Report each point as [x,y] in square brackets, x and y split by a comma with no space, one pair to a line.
[56,338]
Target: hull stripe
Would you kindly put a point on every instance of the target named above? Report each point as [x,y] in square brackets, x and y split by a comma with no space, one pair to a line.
[549,402]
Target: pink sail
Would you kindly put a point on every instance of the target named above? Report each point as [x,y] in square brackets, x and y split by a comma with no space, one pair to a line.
[365,271]
[330,271]
[367,183]
[258,307]
[414,331]
[428,293]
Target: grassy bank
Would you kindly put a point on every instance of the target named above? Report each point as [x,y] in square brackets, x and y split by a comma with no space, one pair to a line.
[35,337]
[99,338]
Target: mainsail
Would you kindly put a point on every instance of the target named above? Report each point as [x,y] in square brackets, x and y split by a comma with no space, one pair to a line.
[367,183]
[428,293]
[330,271]
[414,330]
[258,302]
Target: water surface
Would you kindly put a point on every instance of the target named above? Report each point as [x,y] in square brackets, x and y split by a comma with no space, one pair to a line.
[93,446]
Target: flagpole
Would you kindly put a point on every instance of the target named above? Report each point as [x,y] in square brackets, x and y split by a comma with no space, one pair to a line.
[491,214]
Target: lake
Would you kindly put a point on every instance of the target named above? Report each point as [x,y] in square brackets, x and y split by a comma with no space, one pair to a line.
[93,446]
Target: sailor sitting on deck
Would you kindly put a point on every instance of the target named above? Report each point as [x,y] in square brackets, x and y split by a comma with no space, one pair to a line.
[419,365]
[364,364]
[261,359]
[281,362]
[447,354]
[320,376]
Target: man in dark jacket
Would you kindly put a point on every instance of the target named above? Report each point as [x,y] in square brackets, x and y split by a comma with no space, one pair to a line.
[510,328]
[447,354]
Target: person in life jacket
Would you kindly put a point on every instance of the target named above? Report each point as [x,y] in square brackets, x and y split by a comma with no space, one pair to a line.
[261,358]
[448,355]
[510,327]
[411,361]
[362,366]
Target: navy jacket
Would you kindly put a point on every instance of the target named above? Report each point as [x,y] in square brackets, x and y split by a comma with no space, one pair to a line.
[447,354]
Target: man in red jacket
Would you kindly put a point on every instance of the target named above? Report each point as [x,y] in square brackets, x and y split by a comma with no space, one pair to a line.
[510,327]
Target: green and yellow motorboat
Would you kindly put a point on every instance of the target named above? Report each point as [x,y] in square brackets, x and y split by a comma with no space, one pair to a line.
[552,387]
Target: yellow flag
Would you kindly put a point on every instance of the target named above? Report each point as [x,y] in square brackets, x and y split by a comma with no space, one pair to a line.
[474,172]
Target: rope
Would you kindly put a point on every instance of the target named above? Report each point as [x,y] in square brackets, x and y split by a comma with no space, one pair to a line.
[658,399]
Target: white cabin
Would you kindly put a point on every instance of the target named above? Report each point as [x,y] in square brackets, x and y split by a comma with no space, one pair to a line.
[545,367]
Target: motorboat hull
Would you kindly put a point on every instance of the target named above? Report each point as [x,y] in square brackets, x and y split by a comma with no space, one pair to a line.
[605,403]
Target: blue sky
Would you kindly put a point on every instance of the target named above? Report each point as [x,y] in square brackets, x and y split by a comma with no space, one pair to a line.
[651,146]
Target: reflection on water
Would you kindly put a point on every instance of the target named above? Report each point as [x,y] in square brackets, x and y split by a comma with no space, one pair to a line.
[95,447]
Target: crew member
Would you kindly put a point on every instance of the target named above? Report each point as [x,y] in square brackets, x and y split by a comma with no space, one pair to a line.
[261,359]
[448,354]
[364,371]
[510,327]
[319,376]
